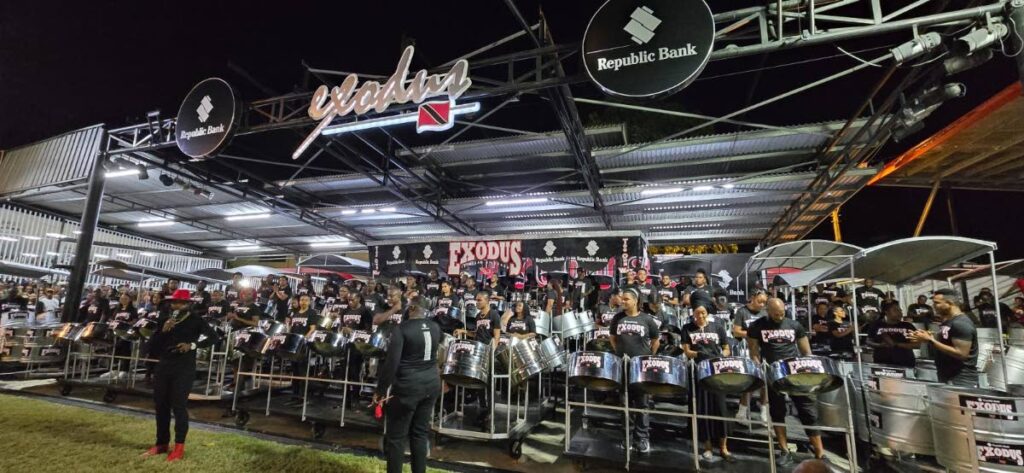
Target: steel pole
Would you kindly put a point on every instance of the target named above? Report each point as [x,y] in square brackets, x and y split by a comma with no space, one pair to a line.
[927,208]
[999,316]
[90,218]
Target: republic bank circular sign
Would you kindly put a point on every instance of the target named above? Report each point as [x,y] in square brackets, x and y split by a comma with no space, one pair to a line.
[648,48]
[207,119]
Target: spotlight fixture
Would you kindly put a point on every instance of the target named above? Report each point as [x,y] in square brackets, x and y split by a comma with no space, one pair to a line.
[143,174]
[979,38]
[166,180]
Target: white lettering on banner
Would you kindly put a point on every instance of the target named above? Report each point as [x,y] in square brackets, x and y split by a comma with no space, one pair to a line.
[997,453]
[507,252]
[328,103]
[589,360]
[804,365]
[728,366]
[649,364]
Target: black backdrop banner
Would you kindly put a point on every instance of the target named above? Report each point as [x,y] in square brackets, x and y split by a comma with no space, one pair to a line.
[512,256]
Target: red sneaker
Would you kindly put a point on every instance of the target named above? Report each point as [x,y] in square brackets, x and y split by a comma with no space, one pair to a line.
[155,450]
[177,454]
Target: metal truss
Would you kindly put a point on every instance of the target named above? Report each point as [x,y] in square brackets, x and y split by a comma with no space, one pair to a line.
[796,23]
[419,181]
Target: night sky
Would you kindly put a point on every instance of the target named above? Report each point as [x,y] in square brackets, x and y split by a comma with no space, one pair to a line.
[65,65]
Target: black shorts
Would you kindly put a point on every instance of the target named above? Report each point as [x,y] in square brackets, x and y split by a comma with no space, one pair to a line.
[806,410]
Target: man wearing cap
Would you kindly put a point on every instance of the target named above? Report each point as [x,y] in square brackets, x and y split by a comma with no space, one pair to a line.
[174,345]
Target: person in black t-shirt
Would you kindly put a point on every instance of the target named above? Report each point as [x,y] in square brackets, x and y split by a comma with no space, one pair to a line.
[409,376]
[442,305]
[496,288]
[281,292]
[869,300]
[841,329]
[700,293]
[645,290]
[921,312]
[357,316]
[630,282]
[955,344]
[557,298]
[234,289]
[392,310]
[771,339]
[306,287]
[667,292]
[821,335]
[745,315]
[987,316]
[635,333]
[888,336]
[432,287]
[487,330]
[218,307]
[518,322]
[303,321]
[200,298]
[704,339]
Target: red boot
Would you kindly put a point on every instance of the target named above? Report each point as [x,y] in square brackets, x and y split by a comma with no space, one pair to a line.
[155,450]
[177,454]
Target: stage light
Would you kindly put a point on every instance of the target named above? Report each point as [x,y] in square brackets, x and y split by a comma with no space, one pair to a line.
[166,180]
[979,38]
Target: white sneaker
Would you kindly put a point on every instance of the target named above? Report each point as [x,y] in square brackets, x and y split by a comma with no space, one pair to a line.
[107,375]
[743,413]
[764,413]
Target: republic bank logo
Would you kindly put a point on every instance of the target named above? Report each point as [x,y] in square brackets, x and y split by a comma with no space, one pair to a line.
[205,106]
[642,24]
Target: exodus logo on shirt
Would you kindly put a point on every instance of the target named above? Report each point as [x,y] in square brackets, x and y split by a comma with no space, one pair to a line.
[352,319]
[893,331]
[778,336]
[628,327]
[517,326]
[703,338]
[483,323]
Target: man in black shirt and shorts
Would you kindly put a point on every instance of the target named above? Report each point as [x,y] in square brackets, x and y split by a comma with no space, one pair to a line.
[635,333]
[774,338]
[955,344]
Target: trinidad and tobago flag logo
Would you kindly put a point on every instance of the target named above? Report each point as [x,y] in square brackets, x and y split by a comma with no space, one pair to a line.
[435,116]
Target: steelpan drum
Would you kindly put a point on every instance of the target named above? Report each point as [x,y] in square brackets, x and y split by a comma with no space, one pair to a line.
[804,375]
[595,370]
[729,375]
[467,364]
[568,324]
[551,354]
[96,333]
[271,328]
[442,348]
[898,413]
[992,418]
[378,343]
[671,344]
[327,343]
[601,340]
[661,376]
[360,340]
[541,322]
[144,328]
[1014,360]
[586,321]
[64,333]
[525,358]
[123,330]
[290,346]
[252,343]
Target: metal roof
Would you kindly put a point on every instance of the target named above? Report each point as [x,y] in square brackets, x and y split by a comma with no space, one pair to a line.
[732,187]
[908,260]
[803,255]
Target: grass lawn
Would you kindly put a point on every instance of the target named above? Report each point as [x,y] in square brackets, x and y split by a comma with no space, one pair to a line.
[38,436]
